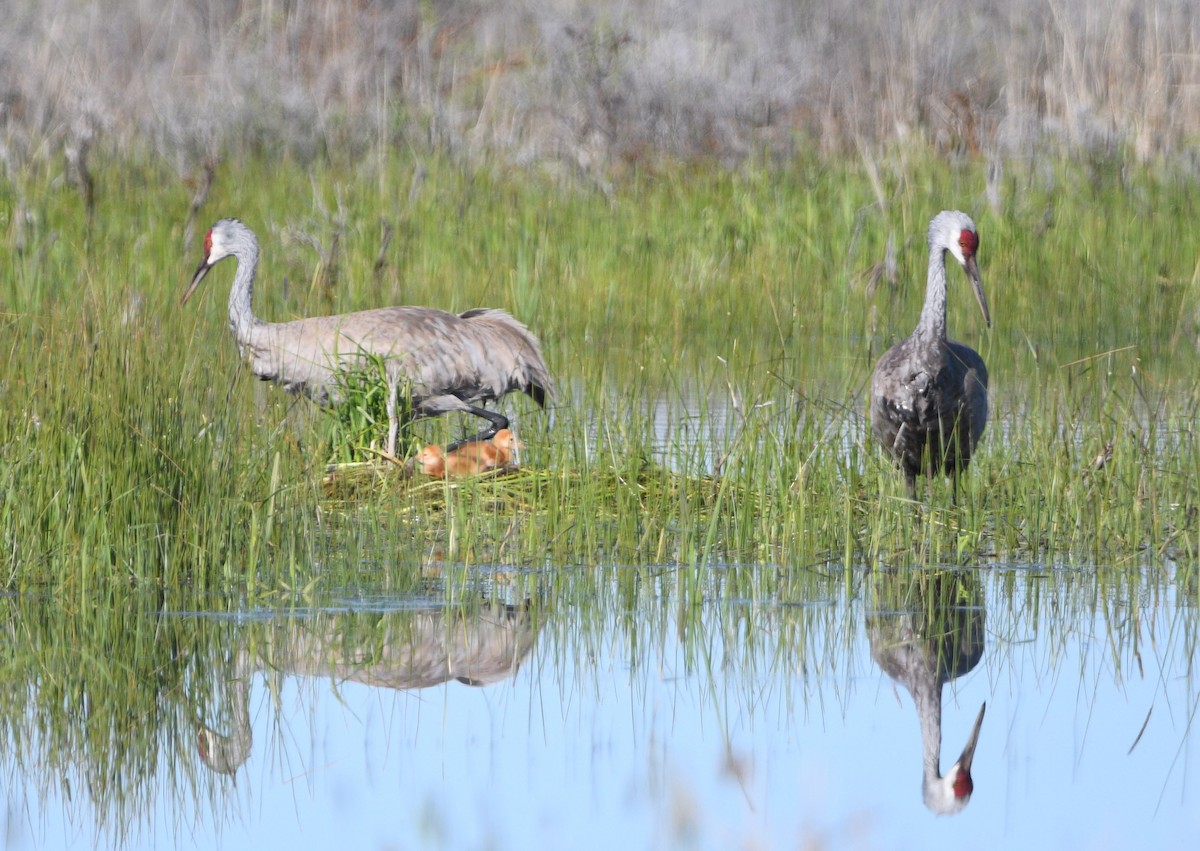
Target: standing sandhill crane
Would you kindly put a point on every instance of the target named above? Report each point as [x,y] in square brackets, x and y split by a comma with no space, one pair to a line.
[928,393]
[923,644]
[451,362]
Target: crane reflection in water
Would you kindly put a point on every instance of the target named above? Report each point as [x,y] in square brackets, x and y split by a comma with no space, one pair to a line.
[927,628]
[408,649]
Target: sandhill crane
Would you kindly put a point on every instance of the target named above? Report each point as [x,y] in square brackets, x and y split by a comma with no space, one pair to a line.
[415,650]
[470,459]
[933,640]
[494,453]
[434,462]
[450,362]
[929,394]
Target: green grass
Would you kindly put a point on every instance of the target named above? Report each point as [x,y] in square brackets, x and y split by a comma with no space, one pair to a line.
[358,424]
[135,449]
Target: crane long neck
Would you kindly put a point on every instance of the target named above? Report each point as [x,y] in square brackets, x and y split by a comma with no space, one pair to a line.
[928,698]
[932,326]
[241,315]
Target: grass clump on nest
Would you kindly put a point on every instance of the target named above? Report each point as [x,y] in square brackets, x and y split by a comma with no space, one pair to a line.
[359,421]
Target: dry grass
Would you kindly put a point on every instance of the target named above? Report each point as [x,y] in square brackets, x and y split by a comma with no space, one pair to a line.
[558,83]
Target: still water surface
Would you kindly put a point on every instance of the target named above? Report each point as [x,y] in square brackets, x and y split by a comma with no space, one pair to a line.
[753,724]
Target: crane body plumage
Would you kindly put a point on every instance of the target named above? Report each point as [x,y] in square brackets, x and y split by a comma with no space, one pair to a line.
[304,356]
[450,362]
[929,401]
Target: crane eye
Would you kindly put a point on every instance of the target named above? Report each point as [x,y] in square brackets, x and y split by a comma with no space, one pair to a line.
[208,242]
[968,241]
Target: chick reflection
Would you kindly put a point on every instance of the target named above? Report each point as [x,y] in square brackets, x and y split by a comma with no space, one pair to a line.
[398,650]
[927,630]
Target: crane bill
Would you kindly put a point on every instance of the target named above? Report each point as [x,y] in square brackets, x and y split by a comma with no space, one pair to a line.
[972,268]
[201,271]
[968,754]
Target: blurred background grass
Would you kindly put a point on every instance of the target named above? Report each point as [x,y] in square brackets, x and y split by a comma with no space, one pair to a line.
[580,89]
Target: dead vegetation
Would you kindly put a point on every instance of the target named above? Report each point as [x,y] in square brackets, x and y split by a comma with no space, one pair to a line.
[588,88]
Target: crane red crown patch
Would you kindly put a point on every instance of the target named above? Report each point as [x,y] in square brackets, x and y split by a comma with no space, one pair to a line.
[969,241]
[963,786]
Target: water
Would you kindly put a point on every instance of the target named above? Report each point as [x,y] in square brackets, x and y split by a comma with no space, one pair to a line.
[631,718]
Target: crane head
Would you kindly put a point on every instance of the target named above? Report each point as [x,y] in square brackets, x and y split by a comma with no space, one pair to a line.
[950,794]
[955,232]
[432,461]
[505,439]
[217,246]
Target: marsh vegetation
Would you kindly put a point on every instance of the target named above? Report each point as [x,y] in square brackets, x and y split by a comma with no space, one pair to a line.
[711,333]
[713,254]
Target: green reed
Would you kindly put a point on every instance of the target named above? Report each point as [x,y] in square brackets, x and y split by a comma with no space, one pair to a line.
[712,334]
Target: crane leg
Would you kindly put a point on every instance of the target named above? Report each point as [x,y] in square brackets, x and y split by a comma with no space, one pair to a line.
[495,423]
[445,404]
[393,423]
